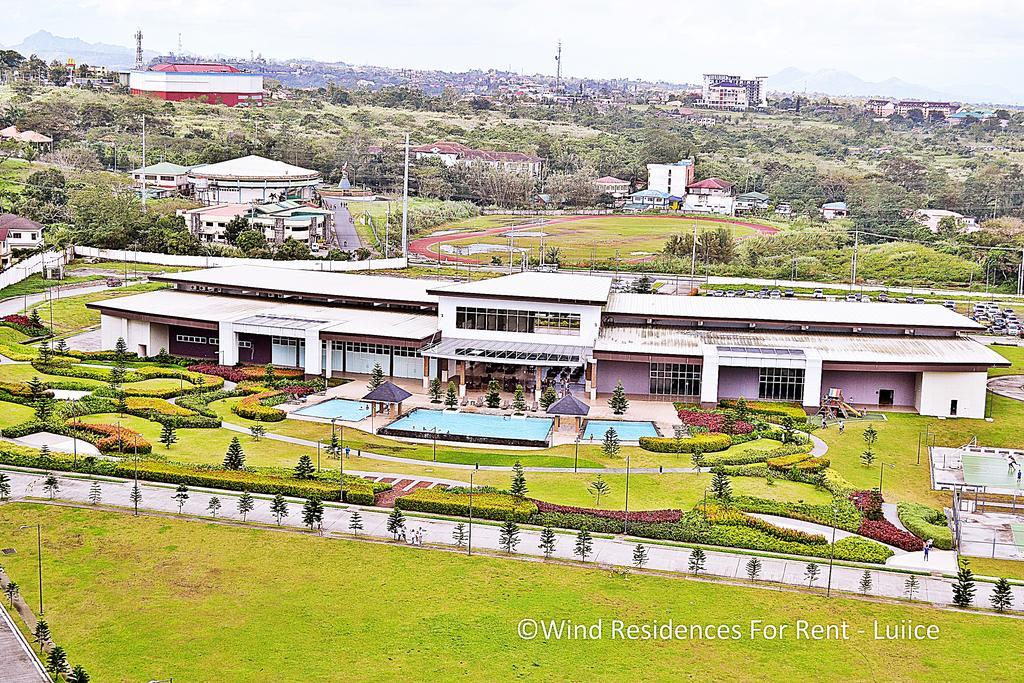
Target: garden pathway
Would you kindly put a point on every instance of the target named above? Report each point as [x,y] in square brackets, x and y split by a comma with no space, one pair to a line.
[1010,386]
[607,551]
[20,664]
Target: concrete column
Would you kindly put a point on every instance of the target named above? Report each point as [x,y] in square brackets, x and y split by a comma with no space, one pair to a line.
[537,373]
[426,373]
[812,380]
[227,345]
[709,377]
[460,374]
[592,379]
[312,364]
[327,359]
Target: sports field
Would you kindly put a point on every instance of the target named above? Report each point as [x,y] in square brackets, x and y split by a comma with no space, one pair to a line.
[579,239]
[150,598]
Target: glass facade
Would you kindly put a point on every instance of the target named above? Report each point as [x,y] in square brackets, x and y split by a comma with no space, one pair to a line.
[675,379]
[781,384]
[511,320]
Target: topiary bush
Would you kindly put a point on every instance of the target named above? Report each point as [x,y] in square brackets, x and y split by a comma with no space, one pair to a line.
[926,523]
[496,506]
[706,443]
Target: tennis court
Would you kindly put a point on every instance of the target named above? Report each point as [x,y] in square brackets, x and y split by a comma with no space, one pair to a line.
[1018,534]
[989,470]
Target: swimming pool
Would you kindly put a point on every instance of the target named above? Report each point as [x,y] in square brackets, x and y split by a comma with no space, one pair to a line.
[627,430]
[340,408]
[472,427]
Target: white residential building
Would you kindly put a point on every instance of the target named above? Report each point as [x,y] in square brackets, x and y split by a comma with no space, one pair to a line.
[931,218]
[671,179]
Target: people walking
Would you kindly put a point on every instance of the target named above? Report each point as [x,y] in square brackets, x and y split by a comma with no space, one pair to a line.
[927,548]
[842,426]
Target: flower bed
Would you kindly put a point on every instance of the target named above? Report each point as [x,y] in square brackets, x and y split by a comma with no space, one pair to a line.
[648,516]
[156,405]
[496,506]
[223,371]
[846,515]
[926,523]
[713,421]
[706,443]
[252,408]
[784,462]
[882,529]
[769,409]
[717,514]
[111,438]
[23,324]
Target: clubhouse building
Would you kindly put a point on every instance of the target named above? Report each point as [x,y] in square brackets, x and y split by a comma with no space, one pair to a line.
[567,331]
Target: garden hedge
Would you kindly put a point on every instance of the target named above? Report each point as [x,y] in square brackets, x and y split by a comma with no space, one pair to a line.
[252,408]
[925,522]
[496,506]
[769,408]
[706,443]
[847,517]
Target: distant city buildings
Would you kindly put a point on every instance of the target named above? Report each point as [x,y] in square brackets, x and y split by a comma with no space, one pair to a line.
[723,91]
[924,110]
[210,83]
[833,210]
[278,221]
[458,154]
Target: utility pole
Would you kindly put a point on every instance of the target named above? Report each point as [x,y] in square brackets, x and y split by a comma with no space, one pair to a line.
[143,154]
[693,256]
[405,203]
[1020,275]
[853,261]
[138,50]
[558,67]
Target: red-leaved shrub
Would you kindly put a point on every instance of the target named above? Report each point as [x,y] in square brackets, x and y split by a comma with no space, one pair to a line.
[651,516]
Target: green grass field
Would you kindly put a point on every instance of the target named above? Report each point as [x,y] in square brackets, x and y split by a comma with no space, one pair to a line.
[135,599]
[34,284]
[581,241]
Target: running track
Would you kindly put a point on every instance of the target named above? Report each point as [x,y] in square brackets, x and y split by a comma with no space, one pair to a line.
[424,245]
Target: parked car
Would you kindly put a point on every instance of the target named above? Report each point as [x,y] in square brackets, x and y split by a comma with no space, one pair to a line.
[819,294]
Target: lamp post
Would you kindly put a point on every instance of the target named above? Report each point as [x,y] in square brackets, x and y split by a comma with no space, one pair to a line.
[881,471]
[341,477]
[39,559]
[469,544]
[832,552]
[625,518]
[576,459]
[435,444]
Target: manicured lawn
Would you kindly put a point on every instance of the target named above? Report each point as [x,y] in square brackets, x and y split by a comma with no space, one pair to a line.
[34,284]
[23,372]
[135,599]
[118,267]
[607,237]
[158,384]
[1014,354]
[14,413]
[12,345]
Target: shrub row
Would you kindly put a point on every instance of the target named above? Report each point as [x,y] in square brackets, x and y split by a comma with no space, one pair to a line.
[755,455]
[925,522]
[847,517]
[155,405]
[706,443]
[885,531]
[495,506]
[769,409]
[639,516]
[784,462]
[714,421]
[720,515]
[107,438]
[252,408]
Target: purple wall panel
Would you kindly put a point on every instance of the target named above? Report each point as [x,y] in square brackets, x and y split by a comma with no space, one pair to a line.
[862,387]
[736,382]
[636,377]
[190,349]
[259,354]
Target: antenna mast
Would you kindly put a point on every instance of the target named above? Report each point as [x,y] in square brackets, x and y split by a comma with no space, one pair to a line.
[138,49]
[558,67]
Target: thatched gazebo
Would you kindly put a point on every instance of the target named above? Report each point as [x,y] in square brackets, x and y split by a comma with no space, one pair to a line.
[568,406]
[389,394]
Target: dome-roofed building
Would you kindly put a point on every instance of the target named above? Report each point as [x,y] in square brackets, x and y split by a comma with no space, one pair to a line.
[252,179]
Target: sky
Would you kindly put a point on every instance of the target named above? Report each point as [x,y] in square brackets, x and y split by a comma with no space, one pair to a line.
[944,44]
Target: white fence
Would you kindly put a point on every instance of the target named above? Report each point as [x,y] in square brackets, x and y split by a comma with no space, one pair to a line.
[32,265]
[216,261]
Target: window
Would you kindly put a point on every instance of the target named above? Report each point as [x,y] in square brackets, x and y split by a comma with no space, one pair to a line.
[781,384]
[675,379]
[245,344]
[189,339]
[214,340]
[284,341]
[404,351]
[511,320]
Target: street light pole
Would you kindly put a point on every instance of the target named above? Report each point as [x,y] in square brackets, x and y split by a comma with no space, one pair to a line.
[39,559]
[625,519]
[576,460]
[435,444]
[832,553]
[469,545]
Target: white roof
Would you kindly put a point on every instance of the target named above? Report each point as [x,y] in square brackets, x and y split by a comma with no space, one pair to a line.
[312,282]
[853,313]
[281,315]
[254,167]
[565,287]
[847,348]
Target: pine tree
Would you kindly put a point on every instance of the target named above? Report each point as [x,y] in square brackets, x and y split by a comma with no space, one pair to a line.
[333,446]
[136,497]
[5,486]
[57,661]
[268,375]
[41,634]
[11,590]
[1002,596]
[865,582]
[44,409]
[459,535]
[61,347]
[234,459]
[257,431]
[45,355]
[584,544]
[214,505]
[51,485]
[180,496]
[548,397]
[697,561]
[618,401]
[35,320]
[493,396]
[95,493]
[963,589]
[435,391]
[451,397]
[355,522]
[396,522]
[78,675]
[168,434]
[753,568]
[304,469]
[313,513]
[599,487]
[518,486]
[245,504]
[812,572]
[508,539]
[36,389]
[640,556]
[519,400]
[610,446]
[910,586]
[279,507]
[547,541]
[376,377]
[721,486]
[120,353]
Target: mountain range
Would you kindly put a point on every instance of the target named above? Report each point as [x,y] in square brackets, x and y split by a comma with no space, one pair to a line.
[843,83]
[49,47]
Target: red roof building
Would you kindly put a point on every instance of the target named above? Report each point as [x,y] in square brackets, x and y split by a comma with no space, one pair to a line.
[210,83]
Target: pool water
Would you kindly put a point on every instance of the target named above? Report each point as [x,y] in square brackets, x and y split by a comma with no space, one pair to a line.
[474,425]
[627,431]
[340,408]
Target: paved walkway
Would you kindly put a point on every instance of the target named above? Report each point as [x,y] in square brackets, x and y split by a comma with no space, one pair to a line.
[616,551]
[18,662]
[1010,386]
[344,227]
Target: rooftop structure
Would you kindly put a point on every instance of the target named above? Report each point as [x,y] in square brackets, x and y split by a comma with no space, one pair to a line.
[210,83]
[458,154]
[251,179]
